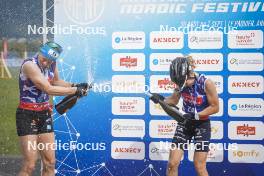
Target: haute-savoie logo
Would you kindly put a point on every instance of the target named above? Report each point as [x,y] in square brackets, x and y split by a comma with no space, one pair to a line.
[245,39]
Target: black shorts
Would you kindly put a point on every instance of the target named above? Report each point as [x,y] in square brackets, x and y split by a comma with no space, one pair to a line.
[33,122]
[199,129]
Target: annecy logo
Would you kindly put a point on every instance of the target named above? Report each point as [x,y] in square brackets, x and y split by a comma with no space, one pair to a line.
[84,12]
[206,61]
[166,40]
[246,130]
[128,150]
[246,84]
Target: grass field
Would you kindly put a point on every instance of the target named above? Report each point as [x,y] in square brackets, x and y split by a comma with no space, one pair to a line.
[8,104]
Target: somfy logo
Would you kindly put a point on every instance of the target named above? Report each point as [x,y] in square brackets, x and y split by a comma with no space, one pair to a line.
[247,153]
[84,12]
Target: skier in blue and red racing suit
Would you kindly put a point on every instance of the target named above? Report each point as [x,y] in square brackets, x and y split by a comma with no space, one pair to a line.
[200,100]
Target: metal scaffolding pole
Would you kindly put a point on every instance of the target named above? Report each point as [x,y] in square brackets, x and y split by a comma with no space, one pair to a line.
[45,19]
[44,13]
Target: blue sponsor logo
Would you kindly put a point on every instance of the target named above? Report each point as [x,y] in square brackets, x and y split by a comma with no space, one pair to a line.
[117,39]
[155,61]
[234,107]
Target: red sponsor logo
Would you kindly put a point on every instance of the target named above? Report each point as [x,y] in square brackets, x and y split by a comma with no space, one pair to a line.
[128,106]
[128,150]
[166,84]
[245,84]
[206,61]
[166,128]
[246,130]
[166,40]
[190,99]
[128,61]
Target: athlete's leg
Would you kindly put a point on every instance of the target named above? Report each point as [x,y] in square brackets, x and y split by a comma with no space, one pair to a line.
[181,138]
[48,154]
[202,139]
[28,145]
[199,160]
[174,161]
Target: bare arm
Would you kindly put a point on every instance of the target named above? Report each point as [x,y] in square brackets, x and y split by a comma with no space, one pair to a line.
[59,82]
[212,98]
[174,98]
[34,74]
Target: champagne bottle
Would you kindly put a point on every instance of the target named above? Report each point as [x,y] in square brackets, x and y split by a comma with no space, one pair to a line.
[68,102]
[172,111]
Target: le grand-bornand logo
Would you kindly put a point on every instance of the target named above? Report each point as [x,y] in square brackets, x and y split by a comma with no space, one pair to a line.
[84,12]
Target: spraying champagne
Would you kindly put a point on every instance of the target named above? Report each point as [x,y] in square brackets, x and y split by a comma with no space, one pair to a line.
[69,101]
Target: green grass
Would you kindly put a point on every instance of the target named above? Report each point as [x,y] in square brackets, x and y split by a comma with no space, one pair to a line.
[8,103]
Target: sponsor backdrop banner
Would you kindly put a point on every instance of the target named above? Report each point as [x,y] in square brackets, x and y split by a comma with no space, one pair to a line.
[125,47]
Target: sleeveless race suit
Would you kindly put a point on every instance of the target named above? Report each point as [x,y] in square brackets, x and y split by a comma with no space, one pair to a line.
[33,114]
[194,98]
[194,101]
[31,97]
